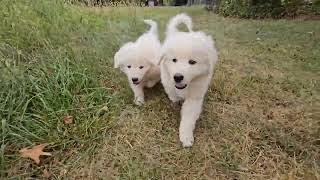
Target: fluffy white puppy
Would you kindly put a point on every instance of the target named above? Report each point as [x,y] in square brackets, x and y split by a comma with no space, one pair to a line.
[187,64]
[139,61]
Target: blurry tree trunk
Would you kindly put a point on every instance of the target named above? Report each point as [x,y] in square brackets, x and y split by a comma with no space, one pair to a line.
[212,4]
[160,2]
[274,3]
[190,2]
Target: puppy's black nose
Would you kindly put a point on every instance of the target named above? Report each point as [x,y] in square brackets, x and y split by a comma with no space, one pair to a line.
[178,77]
[134,79]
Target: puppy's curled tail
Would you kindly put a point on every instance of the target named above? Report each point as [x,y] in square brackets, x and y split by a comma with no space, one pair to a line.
[178,19]
[153,26]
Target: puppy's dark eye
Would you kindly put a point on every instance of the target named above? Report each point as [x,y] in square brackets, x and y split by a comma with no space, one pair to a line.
[141,67]
[129,66]
[174,60]
[192,62]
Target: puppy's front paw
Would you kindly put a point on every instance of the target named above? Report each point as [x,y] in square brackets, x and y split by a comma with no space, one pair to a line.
[139,101]
[176,100]
[179,102]
[186,138]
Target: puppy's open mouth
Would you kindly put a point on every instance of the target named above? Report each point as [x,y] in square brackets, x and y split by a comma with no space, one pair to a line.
[136,83]
[181,86]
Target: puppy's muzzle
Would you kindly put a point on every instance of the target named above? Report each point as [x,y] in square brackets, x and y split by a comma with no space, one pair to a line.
[135,80]
[178,77]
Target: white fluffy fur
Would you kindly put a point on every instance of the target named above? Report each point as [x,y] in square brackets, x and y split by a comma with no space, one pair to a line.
[186,46]
[140,60]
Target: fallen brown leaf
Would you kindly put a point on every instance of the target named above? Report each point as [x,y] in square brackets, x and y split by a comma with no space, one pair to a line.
[46,173]
[35,152]
[68,119]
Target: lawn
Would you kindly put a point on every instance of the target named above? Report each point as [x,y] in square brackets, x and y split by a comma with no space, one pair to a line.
[260,117]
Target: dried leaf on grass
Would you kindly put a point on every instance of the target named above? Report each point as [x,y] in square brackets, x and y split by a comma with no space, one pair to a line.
[35,152]
[68,119]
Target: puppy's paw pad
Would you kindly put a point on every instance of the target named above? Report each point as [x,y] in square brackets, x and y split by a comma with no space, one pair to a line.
[139,103]
[173,100]
[187,140]
[179,103]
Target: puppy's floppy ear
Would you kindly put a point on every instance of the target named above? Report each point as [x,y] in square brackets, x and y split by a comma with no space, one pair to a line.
[116,60]
[161,59]
[122,54]
[164,55]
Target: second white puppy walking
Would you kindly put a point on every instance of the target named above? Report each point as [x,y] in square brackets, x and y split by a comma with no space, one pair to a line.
[187,64]
[139,61]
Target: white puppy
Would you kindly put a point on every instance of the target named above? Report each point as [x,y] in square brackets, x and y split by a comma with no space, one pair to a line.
[187,63]
[139,61]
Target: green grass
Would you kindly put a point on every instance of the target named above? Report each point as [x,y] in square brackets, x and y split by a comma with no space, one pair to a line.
[259,121]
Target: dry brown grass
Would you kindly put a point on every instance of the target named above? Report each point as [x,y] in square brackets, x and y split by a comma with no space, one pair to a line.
[258,122]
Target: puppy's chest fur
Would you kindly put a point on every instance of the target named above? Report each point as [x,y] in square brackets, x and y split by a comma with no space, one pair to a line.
[196,89]
[182,94]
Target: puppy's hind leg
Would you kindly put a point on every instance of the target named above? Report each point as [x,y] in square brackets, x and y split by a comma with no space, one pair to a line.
[151,83]
[190,113]
[138,94]
[154,74]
